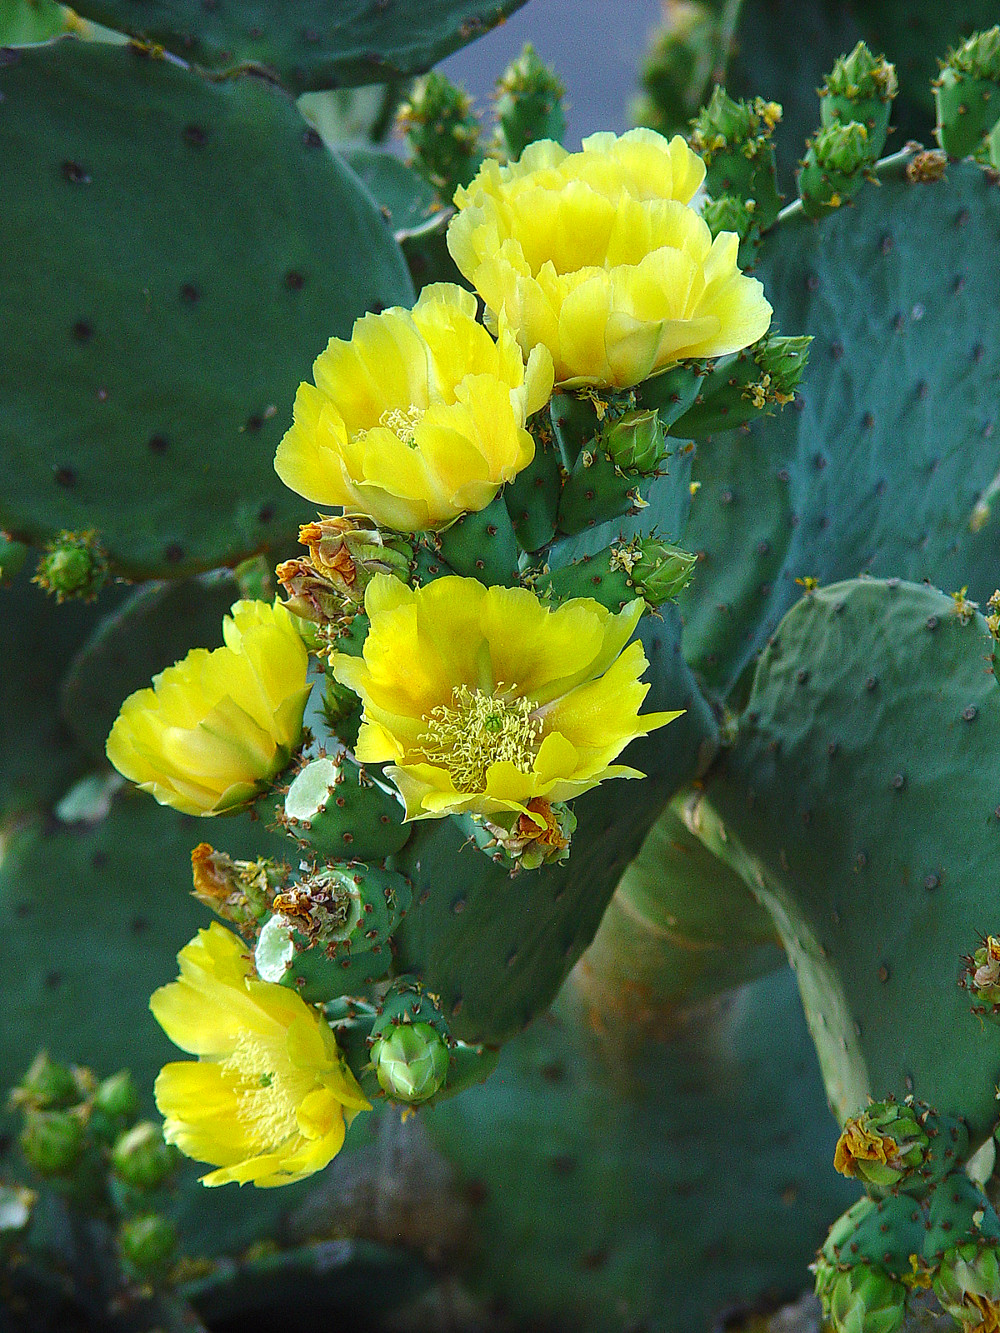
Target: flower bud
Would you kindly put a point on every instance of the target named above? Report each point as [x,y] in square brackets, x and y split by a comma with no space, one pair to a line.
[141,1158]
[967,93]
[443,132]
[860,87]
[349,552]
[53,1141]
[147,1244]
[47,1086]
[527,841]
[730,213]
[410,1062]
[833,168]
[968,1284]
[117,1097]
[863,1299]
[655,569]
[528,104]
[636,442]
[74,565]
[882,1145]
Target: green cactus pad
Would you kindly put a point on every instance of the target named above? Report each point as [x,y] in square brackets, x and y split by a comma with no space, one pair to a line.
[405,198]
[655,1181]
[152,629]
[870,709]
[315,44]
[483,545]
[532,498]
[335,809]
[150,378]
[39,757]
[884,462]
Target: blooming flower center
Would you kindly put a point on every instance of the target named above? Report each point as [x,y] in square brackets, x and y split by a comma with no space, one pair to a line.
[403,422]
[477,731]
[268,1088]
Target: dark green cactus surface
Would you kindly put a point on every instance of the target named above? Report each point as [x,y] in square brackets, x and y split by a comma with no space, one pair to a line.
[648,1177]
[155,355]
[317,44]
[860,803]
[881,463]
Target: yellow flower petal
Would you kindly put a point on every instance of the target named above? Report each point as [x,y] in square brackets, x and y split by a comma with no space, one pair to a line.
[218,726]
[270,1097]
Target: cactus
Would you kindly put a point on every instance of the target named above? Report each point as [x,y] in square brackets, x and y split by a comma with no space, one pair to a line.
[440,857]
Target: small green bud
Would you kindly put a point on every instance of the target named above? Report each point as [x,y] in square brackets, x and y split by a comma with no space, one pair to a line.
[528,104]
[782,361]
[74,565]
[730,213]
[443,132]
[47,1086]
[978,56]
[636,442]
[12,557]
[655,569]
[842,148]
[862,1299]
[117,1097]
[726,124]
[968,1284]
[882,1145]
[147,1244]
[862,75]
[967,95]
[141,1158]
[53,1141]
[734,139]
[410,1062]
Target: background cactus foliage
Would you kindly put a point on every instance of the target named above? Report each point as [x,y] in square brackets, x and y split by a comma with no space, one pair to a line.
[601,1061]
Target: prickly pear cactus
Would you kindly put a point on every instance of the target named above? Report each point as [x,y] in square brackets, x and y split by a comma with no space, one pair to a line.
[639,638]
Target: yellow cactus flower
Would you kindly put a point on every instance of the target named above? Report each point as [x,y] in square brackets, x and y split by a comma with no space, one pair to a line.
[419,418]
[217,726]
[486,699]
[270,1096]
[597,256]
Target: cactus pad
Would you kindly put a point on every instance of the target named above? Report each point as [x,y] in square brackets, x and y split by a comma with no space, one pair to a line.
[152,370]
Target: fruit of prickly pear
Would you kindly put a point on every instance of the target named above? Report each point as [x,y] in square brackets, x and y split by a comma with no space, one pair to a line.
[53,1141]
[47,1086]
[967,93]
[833,168]
[860,88]
[734,139]
[336,810]
[863,1299]
[147,1244]
[443,132]
[528,104]
[141,1158]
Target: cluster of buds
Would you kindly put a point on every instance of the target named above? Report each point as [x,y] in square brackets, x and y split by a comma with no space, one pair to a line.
[73,564]
[83,1135]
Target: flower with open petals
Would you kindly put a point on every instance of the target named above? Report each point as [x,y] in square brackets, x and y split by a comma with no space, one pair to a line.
[486,699]
[215,728]
[419,418]
[597,256]
[270,1096]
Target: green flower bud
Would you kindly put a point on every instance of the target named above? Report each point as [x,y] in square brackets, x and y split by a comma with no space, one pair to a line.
[968,1284]
[842,148]
[978,56]
[782,363]
[863,1299]
[47,1086]
[443,132]
[862,75]
[74,565]
[53,1141]
[410,1062]
[117,1097]
[734,139]
[141,1158]
[730,213]
[636,442]
[528,104]
[147,1244]
[882,1145]
[655,569]
[727,124]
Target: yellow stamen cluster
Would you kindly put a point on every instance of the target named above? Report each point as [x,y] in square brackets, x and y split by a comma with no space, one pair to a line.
[403,422]
[480,730]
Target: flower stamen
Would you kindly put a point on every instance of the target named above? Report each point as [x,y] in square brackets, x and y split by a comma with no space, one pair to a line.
[478,731]
[403,423]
